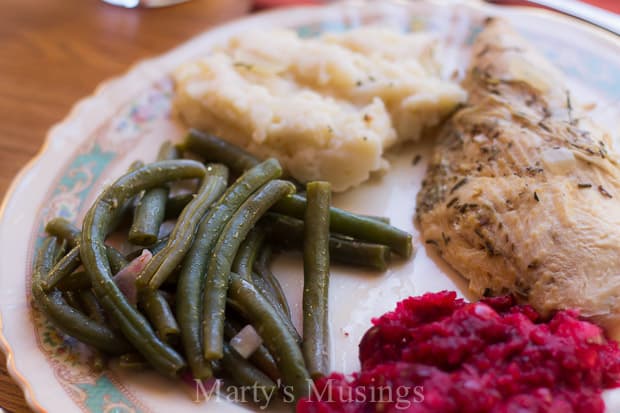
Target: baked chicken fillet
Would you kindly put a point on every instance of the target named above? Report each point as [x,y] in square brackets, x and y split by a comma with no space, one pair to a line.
[522,195]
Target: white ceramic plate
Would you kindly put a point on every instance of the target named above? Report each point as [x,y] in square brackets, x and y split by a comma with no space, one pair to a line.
[128,117]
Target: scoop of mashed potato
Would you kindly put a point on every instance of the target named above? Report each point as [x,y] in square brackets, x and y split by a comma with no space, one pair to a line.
[326,107]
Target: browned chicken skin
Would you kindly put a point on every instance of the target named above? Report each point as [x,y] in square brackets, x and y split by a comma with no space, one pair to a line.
[522,194]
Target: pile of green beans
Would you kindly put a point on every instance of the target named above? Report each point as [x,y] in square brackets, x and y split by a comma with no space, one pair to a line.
[211,275]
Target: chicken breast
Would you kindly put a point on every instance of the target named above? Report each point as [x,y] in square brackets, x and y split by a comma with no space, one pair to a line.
[522,194]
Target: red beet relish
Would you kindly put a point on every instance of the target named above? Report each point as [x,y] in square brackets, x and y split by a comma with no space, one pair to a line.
[437,353]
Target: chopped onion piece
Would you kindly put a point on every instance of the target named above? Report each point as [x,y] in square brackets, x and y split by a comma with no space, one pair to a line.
[246,341]
[126,278]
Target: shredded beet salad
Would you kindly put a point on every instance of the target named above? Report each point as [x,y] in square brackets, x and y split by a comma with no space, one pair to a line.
[438,353]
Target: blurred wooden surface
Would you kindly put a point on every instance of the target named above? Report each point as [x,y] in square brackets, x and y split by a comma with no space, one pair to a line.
[54,52]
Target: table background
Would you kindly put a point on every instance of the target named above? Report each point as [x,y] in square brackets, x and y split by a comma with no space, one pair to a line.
[55,52]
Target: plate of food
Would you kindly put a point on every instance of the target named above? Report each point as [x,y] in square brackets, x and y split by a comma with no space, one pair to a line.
[387,206]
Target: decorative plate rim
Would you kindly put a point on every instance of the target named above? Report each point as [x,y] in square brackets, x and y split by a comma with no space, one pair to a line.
[55,132]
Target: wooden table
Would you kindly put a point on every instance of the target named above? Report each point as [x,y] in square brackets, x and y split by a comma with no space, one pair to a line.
[54,52]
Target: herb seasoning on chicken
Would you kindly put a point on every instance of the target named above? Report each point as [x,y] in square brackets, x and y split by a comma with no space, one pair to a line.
[524,187]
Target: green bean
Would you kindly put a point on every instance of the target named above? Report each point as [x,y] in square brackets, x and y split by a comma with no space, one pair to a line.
[315,344]
[96,227]
[148,216]
[221,259]
[150,210]
[71,299]
[78,280]
[385,220]
[262,265]
[63,268]
[244,261]
[89,303]
[182,236]
[176,204]
[128,205]
[266,290]
[288,231]
[63,316]
[116,258]
[93,310]
[191,282]
[155,248]
[135,165]
[364,254]
[159,313]
[274,333]
[61,251]
[63,229]
[242,372]
[261,358]
[168,151]
[217,150]
[44,261]
[173,280]
[359,227]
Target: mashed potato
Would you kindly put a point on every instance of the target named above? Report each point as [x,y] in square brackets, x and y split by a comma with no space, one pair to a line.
[326,107]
